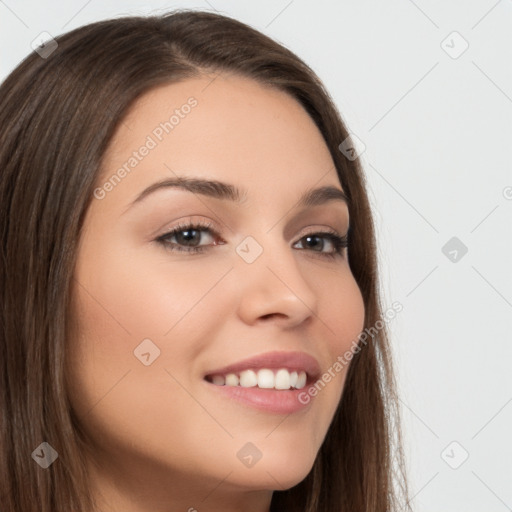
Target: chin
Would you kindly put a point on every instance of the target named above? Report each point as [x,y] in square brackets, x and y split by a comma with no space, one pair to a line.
[276,474]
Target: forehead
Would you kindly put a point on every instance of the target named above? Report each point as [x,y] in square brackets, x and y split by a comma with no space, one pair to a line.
[224,126]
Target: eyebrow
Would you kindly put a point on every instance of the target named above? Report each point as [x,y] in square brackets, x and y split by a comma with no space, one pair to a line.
[226,191]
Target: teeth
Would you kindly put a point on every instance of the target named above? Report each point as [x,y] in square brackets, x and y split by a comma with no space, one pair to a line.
[231,379]
[301,380]
[248,379]
[218,380]
[264,379]
[282,380]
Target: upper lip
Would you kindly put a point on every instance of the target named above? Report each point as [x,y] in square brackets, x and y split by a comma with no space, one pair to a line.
[289,360]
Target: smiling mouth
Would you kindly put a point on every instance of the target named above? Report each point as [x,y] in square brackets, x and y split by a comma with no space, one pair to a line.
[279,391]
[263,378]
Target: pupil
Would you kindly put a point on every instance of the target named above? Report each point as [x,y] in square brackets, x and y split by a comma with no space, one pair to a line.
[309,238]
[189,235]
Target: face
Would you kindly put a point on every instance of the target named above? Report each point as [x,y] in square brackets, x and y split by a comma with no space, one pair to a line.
[157,312]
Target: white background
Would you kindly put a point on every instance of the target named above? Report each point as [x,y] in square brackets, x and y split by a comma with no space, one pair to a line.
[438,132]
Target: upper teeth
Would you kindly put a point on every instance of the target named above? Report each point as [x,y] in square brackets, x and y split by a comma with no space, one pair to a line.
[264,378]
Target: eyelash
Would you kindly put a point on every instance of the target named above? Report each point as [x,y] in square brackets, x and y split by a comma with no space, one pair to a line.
[339,242]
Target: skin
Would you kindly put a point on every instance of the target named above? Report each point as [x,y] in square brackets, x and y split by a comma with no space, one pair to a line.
[160,437]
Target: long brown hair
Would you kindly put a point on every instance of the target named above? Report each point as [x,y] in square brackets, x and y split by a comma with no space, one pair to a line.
[57,116]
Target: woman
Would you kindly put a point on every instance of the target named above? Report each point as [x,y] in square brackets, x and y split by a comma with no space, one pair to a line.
[188,281]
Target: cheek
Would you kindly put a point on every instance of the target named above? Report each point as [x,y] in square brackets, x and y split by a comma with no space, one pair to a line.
[142,296]
[341,311]
[122,402]
[129,307]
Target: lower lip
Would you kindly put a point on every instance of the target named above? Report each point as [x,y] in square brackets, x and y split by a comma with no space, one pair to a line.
[268,400]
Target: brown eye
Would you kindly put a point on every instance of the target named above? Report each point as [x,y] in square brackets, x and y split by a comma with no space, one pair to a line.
[187,238]
[339,243]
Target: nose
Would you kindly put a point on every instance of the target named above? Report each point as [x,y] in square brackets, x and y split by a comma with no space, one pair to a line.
[273,287]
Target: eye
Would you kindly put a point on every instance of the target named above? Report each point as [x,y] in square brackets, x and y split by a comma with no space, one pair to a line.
[186,238]
[337,242]
[188,235]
